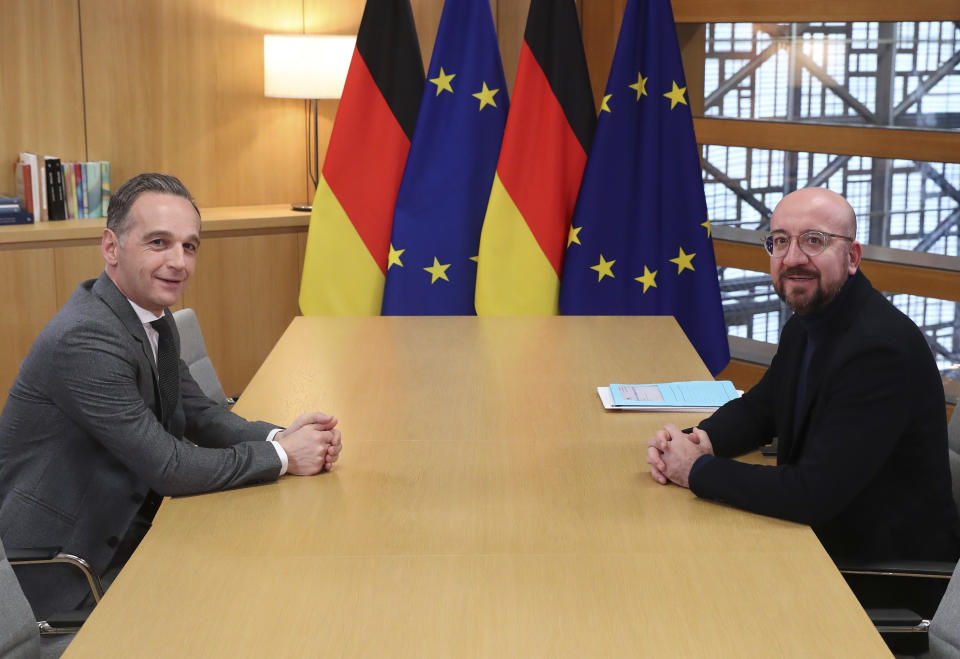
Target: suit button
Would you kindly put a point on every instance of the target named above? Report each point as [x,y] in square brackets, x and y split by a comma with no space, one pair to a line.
[113,541]
[136,497]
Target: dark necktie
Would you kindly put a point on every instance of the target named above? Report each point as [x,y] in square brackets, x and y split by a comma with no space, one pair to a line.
[168,370]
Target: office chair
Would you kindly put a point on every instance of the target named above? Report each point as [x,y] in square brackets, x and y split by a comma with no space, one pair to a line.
[193,351]
[21,635]
[905,629]
[920,587]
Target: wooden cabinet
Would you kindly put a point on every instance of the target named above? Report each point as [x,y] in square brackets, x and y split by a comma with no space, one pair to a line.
[244,290]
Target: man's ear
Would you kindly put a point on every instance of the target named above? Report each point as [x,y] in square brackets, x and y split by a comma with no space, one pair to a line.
[109,245]
[856,255]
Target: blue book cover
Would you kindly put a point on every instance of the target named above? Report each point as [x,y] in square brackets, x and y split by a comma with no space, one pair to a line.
[696,393]
[15,217]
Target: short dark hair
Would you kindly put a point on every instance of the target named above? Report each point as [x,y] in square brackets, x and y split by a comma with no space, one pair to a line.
[122,200]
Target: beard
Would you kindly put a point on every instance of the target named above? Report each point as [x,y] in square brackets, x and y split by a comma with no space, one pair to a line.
[804,307]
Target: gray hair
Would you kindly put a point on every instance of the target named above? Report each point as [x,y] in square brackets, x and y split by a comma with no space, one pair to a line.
[122,200]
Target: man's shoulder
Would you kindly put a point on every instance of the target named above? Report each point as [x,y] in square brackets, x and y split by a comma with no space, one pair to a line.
[878,319]
[85,312]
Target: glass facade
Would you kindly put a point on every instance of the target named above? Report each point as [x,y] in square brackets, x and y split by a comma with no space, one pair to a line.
[894,75]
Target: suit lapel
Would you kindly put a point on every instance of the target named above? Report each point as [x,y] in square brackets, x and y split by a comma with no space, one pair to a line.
[791,351]
[814,381]
[107,291]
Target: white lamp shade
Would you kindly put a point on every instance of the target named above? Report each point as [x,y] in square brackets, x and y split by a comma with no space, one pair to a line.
[306,66]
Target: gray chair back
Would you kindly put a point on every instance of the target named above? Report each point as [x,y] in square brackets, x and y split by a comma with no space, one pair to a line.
[193,351]
[944,632]
[19,634]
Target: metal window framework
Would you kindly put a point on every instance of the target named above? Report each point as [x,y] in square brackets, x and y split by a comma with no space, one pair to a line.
[870,60]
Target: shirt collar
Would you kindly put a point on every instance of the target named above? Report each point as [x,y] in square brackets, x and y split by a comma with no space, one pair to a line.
[145,316]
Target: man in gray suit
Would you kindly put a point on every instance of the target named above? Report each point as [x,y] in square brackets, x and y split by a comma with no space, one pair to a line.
[93,434]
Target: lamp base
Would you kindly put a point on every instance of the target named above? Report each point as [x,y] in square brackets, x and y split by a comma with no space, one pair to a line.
[306,208]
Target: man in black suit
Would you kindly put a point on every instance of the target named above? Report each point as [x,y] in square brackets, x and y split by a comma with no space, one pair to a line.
[96,426]
[854,397]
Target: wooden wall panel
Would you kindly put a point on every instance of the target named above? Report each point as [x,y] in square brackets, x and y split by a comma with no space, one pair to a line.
[426,15]
[27,302]
[42,95]
[244,293]
[600,25]
[75,264]
[177,86]
[511,20]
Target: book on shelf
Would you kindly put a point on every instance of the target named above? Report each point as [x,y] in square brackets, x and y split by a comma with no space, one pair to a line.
[38,186]
[91,185]
[10,204]
[81,191]
[15,217]
[62,190]
[104,186]
[56,198]
[70,182]
[22,183]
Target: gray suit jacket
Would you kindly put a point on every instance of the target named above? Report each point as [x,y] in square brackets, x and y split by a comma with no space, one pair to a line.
[80,443]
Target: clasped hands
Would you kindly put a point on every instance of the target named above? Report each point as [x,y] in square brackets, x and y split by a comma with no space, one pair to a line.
[672,452]
[312,443]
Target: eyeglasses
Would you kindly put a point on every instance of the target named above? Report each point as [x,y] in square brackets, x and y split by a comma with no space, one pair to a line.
[811,243]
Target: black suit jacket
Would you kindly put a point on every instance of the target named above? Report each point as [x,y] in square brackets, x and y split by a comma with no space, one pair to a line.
[865,463]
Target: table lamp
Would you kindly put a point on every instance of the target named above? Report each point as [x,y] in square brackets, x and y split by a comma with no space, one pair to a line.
[307,66]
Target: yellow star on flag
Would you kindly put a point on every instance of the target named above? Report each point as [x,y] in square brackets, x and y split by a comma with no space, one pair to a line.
[604,268]
[437,271]
[603,104]
[486,96]
[676,95]
[442,81]
[393,258]
[706,225]
[684,261]
[640,86]
[574,235]
[475,259]
[648,279]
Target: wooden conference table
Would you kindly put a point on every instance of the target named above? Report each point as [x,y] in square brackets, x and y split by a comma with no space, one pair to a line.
[484,505]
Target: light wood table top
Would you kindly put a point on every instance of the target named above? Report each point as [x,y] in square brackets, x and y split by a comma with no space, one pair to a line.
[484,505]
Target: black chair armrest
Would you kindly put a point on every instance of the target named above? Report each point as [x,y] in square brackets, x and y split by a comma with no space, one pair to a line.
[905,584]
[915,569]
[31,554]
[65,623]
[896,618]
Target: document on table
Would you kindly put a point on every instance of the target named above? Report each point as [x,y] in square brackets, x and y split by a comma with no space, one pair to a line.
[691,396]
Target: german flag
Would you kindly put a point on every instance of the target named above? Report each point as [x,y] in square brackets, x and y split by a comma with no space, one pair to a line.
[545,145]
[349,237]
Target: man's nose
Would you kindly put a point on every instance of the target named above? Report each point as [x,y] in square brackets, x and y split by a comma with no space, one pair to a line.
[794,254]
[177,258]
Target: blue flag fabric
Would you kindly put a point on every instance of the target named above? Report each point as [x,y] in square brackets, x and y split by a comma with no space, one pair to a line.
[640,240]
[431,269]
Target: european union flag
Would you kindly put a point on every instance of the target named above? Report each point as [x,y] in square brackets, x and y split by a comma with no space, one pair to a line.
[640,240]
[432,269]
